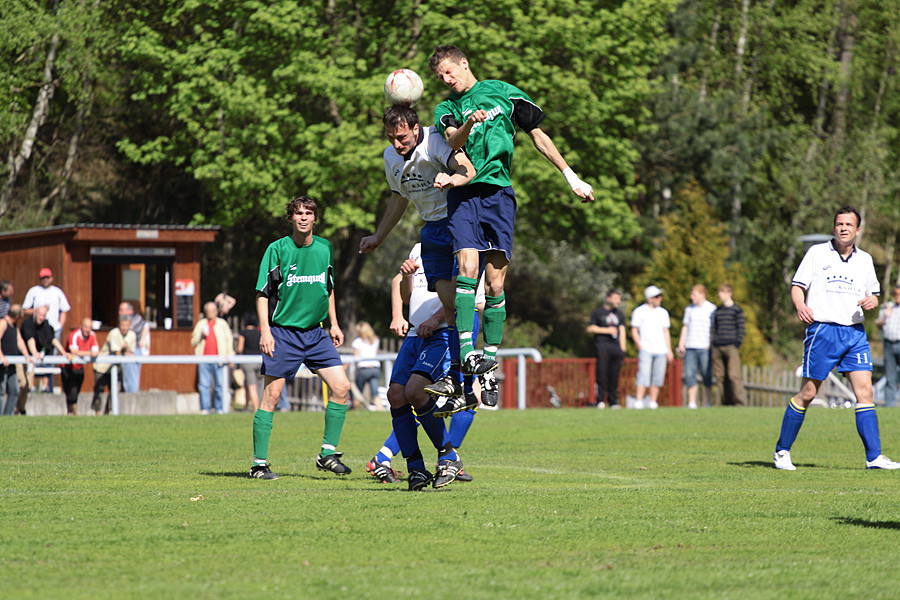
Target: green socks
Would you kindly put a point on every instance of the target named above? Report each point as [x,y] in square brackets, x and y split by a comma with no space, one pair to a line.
[465,314]
[262,431]
[494,318]
[334,422]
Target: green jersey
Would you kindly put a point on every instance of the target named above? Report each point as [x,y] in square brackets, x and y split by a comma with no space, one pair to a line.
[490,144]
[297,280]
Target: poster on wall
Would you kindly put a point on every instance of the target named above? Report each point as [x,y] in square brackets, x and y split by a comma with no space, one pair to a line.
[184,302]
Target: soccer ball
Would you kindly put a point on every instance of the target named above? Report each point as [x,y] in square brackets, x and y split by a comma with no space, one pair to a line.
[403,86]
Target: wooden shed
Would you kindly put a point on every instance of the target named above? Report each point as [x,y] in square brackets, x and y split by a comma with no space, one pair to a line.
[98,266]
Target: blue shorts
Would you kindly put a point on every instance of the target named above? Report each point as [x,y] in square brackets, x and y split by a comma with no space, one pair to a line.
[482,217]
[438,258]
[696,360]
[828,346]
[429,357]
[294,347]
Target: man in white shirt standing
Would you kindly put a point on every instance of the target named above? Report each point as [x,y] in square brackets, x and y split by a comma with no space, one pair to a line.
[650,331]
[838,281]
[693,345]
[889,322]
[47,294]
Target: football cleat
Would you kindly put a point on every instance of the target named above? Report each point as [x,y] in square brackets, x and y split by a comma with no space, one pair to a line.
[783,461]
[418,479]
[447,470]
[477,364]
[445,386]
[452,406]
[381,471]
[463,476]
[262,472]
[490,390]
[882,462]
[332,463]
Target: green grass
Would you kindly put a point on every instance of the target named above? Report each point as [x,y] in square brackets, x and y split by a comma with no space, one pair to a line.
[565,504]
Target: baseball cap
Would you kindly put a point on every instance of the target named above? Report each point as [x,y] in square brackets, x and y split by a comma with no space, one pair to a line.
[45,272]
[652,292]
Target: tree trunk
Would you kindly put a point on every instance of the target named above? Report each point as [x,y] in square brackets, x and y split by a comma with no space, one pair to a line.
[713,40]
[38,116]
[847,40]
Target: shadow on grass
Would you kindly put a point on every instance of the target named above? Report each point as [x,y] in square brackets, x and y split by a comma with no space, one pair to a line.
[244,475]
[764,463]
[867,523]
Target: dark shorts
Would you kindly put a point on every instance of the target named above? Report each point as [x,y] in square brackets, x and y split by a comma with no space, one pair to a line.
[295,347]
[429,357]
[438,258]
[482,216]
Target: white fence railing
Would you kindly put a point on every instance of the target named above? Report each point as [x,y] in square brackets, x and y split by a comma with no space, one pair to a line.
[387,361]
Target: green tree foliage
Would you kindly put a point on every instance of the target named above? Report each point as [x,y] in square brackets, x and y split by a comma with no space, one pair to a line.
[694,250]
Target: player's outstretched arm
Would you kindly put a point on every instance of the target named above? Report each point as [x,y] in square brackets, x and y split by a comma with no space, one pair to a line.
[545,146]
[396,207]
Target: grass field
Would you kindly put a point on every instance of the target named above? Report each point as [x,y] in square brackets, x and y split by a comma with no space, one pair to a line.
[565,504]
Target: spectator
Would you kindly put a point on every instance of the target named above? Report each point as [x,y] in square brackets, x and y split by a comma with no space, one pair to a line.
[889,322]
[6,293]
[650,331]
[38,336]
[248,344]
[224,304]
[727,335]
[12,377]
[47,294]
[83,344]
[365,346]
[122,341]
[608,328]
[693,345]
[212,337]
[131,372]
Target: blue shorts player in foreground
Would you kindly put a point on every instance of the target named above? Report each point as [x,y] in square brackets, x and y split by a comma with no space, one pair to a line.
[833,285]
[294,294]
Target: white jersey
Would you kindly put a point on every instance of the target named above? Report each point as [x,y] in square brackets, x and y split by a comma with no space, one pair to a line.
[698,320]
[52,297]
[412,176]
[422,303]
[653,326]
[835,286]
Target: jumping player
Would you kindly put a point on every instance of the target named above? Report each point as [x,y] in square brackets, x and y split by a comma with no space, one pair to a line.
[839,282]
[482,116]
[294,294]
[421,167]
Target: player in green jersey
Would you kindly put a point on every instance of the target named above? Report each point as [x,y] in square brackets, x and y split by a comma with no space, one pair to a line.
[294,294]
[482,116]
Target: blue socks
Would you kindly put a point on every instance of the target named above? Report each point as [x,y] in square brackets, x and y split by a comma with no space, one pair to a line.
[404,422]
[790,425]
[459,426]
[436,431]
[867,426]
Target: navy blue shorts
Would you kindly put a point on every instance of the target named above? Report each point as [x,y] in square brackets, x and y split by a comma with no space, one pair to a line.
[438,258]
[428,357]
[827,346]
[482,216]
[294,347]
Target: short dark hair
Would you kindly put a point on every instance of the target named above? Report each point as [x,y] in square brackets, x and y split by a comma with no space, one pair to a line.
[847,210]
[4,284]
[294,205]
[613,291]
[442,53]
[250,319]
[398,115]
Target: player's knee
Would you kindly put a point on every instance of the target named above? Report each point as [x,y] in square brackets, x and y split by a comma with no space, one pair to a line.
[396,396]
